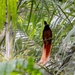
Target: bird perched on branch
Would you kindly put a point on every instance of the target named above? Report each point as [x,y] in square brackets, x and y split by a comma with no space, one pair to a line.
[47,39]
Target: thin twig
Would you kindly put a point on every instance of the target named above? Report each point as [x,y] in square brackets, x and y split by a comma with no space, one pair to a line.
[64,14]
[31,45]
[20,1]
[68,57]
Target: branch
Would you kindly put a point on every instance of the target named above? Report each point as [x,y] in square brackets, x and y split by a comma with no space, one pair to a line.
[2,40]
[45,68]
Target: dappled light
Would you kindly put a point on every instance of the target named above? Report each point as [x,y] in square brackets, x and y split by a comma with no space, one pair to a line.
[22,44]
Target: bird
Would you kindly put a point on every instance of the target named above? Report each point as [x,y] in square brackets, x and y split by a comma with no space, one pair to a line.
[47,44]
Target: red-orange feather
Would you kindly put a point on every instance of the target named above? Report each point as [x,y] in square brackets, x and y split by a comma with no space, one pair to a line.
[47,38]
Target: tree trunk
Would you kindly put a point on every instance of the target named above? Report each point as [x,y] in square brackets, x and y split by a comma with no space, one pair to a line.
[9,39]
[7,42]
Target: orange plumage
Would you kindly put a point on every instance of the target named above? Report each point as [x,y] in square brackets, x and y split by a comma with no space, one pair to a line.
[47,39]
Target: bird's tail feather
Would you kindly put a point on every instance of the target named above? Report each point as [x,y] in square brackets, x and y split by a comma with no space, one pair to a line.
[45,54]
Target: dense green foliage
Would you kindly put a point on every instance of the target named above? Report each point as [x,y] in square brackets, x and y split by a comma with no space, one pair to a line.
[19,67]
[27,18]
